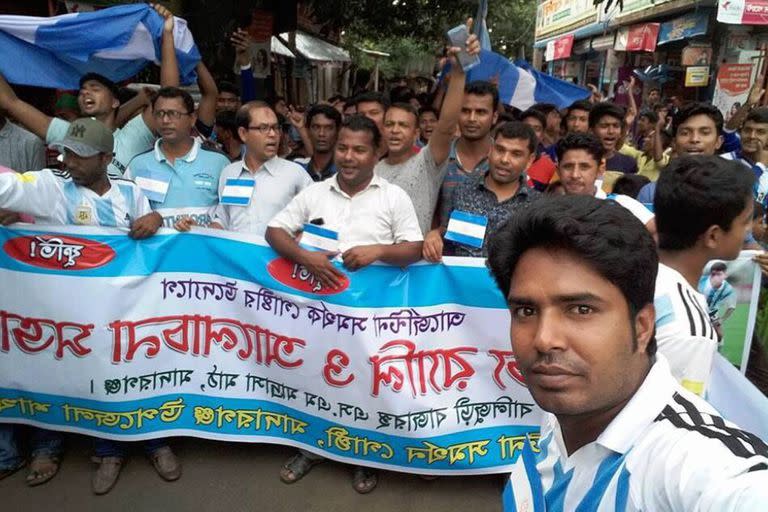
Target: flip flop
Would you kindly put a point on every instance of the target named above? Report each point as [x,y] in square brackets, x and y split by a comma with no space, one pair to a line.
[38,477]
[364,480]
[297,467]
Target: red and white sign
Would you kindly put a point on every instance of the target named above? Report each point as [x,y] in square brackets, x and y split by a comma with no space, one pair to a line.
[642,38]
[743,12]
[559,48]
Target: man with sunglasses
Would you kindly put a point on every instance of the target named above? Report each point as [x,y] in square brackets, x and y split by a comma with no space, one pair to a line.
[179,176]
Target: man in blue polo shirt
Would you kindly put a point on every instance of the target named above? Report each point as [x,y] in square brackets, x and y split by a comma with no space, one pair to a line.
[179,177]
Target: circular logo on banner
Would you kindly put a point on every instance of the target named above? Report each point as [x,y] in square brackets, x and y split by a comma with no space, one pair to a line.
[59,252]
[299,278]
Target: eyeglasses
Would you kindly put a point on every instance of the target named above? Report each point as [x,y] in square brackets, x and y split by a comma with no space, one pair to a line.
[174,115]
[266,128]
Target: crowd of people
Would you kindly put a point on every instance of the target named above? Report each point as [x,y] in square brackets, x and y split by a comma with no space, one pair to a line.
[589,216]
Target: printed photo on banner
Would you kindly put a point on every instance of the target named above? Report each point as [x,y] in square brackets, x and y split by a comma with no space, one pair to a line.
[697,55]
[732,88]
[732,291]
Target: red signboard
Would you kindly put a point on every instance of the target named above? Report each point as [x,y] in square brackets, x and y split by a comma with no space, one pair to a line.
[563,47]
[642,38]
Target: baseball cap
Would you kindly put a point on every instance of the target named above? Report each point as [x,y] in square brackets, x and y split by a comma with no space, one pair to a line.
[87,137]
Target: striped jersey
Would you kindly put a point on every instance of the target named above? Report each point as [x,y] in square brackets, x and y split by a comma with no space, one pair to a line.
[667,450]
[684,331]
[53,198]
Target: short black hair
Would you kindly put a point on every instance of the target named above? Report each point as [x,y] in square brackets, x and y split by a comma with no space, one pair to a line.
[758,115]
[696,192]
[650,115]
[401,94]
[718,266]
[518,130]
[630,185]
[360,123]
[425,110]
[483,88]
[335,98]
[697,109]
[227,120]
[546,108]
[371,97]
[407,107]
[229,87]
[584,105]
[277,99]
[243,115]
[175,92]
[604,109]
[535,113]
[600,233]
[325,110]
[106,82]
[586,141]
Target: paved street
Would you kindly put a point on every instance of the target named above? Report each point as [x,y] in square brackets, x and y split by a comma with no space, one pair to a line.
[239,477]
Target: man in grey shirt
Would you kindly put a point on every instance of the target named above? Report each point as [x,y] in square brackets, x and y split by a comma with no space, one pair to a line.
[421,174]
[20,150]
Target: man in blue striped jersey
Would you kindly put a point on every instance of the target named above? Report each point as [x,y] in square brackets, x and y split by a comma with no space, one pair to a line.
[621,433]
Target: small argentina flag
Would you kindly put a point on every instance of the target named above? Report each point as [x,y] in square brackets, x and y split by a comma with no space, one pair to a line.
[466,229]
[237,192]
[524,491]
[319,238]
[154,186]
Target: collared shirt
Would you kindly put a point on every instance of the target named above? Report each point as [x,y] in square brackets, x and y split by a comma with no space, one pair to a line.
[132,139]
[20,150]
[420,178]
[684,332]
[318,175]
[276,183]
[380,214]
[719,300]
[193,187]
[53,198]
[455,174]
[476,198]
[667,450]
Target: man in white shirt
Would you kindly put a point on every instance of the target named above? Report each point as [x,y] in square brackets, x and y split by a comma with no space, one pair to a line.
[621,433]
[581,164]
[703,208]
[369,220]
[253,190]
[82,194]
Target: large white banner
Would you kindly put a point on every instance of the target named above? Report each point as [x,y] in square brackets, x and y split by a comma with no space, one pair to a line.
[212,335]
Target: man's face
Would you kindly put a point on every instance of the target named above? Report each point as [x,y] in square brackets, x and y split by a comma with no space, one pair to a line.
[578,347]
[508,159]
[754,137]
[86,170]
[281,108]
[477,116]
[536,125]
[716,277]
[730,242]
[608,130]
[400,131]
[577,121]
[262,137]
[697,136]
[323,132]
[171,127]
[227,101]
[355,157]
[644,125]
[654,97]
[374,111]
[95,99]
[554,121]
[578,171]
[427,124]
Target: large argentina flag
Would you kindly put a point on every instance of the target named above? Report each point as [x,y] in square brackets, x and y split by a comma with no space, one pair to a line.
[116,42]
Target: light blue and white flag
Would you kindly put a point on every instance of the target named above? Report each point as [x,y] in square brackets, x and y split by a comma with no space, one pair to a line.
[466,228]
[116,42]
[237,192]
[319,238]
[481,25]
[154,185]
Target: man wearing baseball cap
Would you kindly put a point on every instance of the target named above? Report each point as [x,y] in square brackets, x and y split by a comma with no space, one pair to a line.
[80,194]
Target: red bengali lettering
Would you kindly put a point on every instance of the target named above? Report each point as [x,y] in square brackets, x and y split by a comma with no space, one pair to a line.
[59,252]
[297,277]
[506,362]
[35,335]
[335,363]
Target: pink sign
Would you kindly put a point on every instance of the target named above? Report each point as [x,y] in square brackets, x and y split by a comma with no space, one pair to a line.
[746,12]
[563,47]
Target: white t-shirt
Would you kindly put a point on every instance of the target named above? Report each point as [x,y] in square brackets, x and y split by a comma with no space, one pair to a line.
[667,450]
[53,198]
[684,331]
[635,207]
[380,214]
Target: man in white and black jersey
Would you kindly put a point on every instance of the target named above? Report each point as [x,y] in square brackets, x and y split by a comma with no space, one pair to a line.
[703,208]
[621,433]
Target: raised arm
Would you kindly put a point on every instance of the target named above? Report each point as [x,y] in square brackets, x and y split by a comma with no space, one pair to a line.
[206,110]
[31,118]
[755,94]
[242,41]
[169,66]
[299,121]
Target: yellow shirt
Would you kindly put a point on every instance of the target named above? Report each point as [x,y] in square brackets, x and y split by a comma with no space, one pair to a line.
[646,165]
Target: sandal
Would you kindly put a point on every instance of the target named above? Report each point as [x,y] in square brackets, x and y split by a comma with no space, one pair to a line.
[364,480]
[42,469]
[297,467]
[5,473]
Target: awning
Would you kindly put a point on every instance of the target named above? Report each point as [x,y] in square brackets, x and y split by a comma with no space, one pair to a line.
[313,48]
[690,25]
[280,49]
[590,30]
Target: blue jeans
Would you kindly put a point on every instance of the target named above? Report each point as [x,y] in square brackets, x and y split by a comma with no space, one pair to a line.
[9,448]
[109,448]
[45,443]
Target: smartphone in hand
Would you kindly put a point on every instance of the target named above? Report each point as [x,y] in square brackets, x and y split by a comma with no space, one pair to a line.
[457,37]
